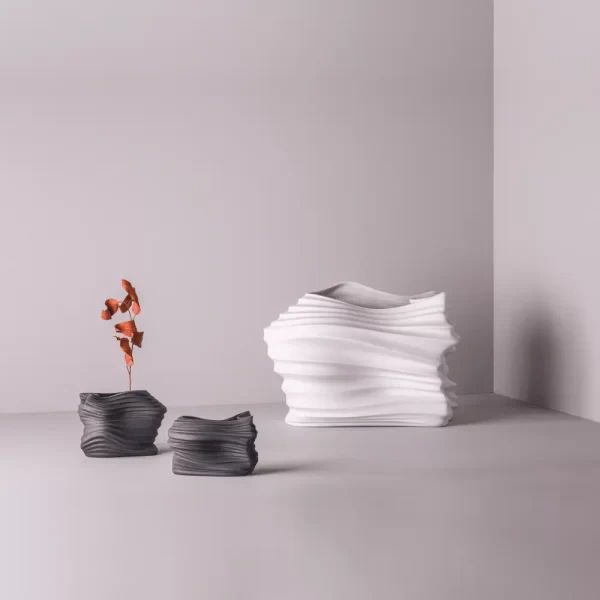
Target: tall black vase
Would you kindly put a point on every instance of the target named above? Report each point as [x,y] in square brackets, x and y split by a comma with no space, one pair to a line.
[122,424]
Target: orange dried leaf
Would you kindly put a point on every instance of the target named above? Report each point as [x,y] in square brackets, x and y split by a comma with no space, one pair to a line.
[127,328]
[112,306]
[137,338]
[124,343]
[132,294]
[127,286]
[126,304]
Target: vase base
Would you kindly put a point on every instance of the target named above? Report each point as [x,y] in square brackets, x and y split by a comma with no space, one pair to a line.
[111,453]
[373,421]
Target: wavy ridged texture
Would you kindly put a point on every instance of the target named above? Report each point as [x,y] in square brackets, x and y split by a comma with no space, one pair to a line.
[352,355]
[214,447]
[122,424]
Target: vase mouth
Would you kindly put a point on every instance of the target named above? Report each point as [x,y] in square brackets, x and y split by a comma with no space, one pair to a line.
[363,296]
[235,420]
[83,395]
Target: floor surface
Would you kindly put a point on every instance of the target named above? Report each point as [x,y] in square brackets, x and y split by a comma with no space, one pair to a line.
[502,504]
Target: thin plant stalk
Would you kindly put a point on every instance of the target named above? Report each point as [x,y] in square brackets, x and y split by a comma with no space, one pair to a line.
[131,318]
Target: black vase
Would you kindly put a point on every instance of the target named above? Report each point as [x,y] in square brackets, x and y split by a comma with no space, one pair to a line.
[213,447]
[122,424]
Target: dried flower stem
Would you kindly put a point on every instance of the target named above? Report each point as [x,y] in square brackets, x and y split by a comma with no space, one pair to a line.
[128,335]
[131,318]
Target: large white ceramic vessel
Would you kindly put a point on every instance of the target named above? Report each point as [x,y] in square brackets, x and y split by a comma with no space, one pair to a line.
[352,355]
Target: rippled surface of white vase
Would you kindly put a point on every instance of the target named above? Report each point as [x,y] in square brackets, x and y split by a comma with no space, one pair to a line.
[352,355]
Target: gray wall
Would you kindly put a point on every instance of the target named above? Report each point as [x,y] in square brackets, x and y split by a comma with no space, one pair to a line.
[228,157]
[547,147]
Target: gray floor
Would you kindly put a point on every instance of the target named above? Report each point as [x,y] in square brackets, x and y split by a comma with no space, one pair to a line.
[503,504]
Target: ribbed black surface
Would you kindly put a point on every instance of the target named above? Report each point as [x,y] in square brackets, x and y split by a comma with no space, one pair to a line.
[212,447]
[123,424]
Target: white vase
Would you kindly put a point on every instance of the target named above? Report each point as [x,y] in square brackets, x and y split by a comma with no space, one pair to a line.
[352,355]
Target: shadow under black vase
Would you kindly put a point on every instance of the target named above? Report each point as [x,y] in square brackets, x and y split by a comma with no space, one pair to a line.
[122,424]
[214,447]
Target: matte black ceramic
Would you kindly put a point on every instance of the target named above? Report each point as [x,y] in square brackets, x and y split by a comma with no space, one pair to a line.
[213,447]
[122,424]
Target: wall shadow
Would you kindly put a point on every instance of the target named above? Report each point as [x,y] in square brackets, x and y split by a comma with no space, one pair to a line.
[544,370]
[540,365]
[553,371]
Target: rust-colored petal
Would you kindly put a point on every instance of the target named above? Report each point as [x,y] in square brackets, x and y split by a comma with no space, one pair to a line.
[137,338]
[126,304]
[133,295]
[112,306]
[127,328]
[124,343]
[129,289]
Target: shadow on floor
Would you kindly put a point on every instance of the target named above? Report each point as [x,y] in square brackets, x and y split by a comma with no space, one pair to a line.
[288,468]
[163,448]
[493,408]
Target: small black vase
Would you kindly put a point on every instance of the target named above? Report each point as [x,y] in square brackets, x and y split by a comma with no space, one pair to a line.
[122,424]
[214,447]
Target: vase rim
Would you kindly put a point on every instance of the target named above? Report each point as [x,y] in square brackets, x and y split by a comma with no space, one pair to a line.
[356,294]
[114,393]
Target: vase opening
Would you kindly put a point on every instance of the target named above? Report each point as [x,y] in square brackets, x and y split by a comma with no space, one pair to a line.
[363,296]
